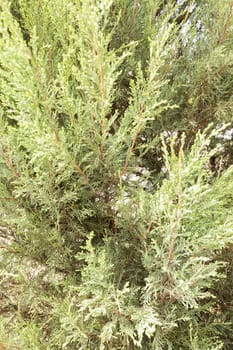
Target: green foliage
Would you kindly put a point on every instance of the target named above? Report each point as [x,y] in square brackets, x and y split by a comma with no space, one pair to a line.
[116,229]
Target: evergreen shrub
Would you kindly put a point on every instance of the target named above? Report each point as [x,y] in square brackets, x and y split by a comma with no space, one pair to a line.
[115,189]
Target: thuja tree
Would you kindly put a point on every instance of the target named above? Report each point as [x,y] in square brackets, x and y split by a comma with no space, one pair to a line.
[116,229]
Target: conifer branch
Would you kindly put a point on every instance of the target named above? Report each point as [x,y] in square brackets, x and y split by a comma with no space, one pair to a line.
[9,163]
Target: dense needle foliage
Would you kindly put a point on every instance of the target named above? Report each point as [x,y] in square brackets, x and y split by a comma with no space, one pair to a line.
[115,174]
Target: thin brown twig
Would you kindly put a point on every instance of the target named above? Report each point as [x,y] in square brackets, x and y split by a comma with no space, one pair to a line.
[174,231]
[174,227]
[9,163]
[80,171]
[44,95]
[226,24]
[50,64]
[130,152]
[4,346]
[133,143]
[178,215]
[102,89]
[135,10]
[7,198]
[96,52]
